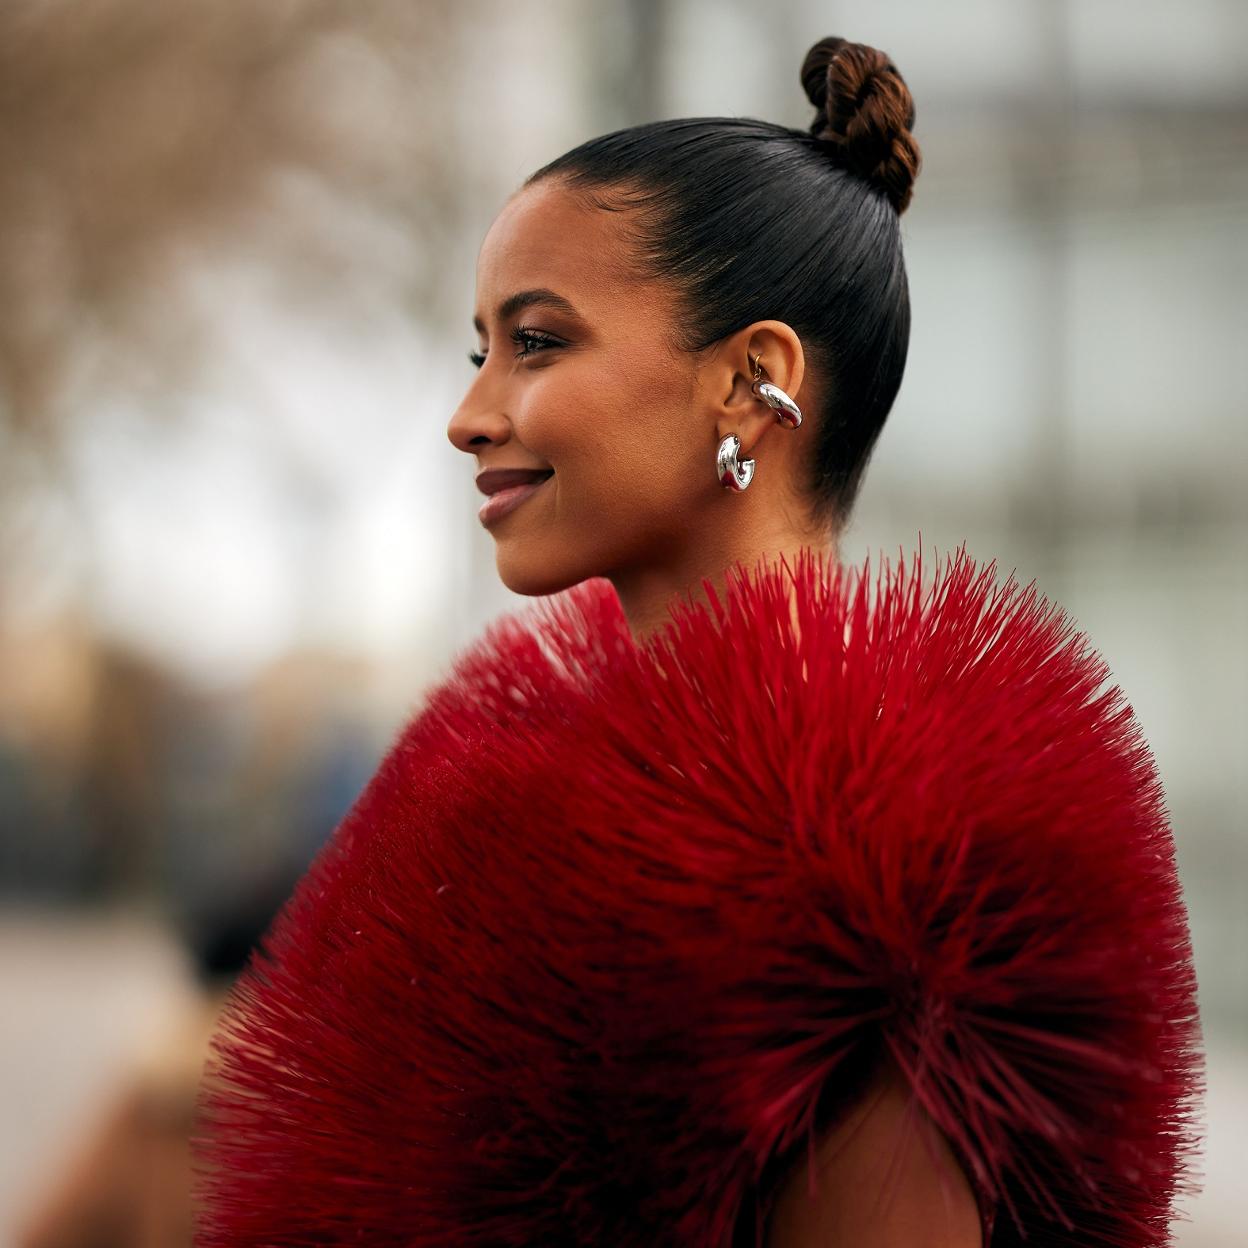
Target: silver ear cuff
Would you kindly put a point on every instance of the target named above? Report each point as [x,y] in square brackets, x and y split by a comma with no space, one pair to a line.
[736,474]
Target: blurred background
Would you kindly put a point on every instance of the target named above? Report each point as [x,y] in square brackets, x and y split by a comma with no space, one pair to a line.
[237,265]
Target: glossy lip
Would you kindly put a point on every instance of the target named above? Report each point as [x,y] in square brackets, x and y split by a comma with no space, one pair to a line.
[504,501]
[491,480]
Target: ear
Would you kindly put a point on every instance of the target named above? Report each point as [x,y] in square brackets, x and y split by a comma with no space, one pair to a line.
[728,376]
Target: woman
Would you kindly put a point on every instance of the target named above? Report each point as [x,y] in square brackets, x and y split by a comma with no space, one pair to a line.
[717,901]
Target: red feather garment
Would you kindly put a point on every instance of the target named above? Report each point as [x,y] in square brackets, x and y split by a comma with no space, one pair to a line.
[614,931]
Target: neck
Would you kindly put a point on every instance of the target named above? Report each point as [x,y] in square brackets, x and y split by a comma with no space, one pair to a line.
[648,593]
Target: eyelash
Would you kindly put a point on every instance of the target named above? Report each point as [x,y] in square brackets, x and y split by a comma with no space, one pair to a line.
[520,335]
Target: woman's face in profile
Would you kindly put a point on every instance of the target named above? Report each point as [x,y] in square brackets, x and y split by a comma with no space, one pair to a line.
[589,384]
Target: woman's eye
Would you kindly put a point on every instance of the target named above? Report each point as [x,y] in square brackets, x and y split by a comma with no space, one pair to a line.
[525,339]
[520,336]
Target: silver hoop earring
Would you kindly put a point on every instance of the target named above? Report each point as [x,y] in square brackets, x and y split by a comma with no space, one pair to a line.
[736,474]
[733,473]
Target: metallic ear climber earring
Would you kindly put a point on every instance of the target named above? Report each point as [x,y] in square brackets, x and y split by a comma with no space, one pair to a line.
[736,474]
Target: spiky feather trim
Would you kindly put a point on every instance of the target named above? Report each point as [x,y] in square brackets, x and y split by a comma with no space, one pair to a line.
[615,930]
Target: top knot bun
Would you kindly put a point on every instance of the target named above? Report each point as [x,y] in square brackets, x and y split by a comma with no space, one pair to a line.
[865,111]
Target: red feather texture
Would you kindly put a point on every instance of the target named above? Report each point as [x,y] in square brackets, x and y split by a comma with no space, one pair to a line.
[615,929]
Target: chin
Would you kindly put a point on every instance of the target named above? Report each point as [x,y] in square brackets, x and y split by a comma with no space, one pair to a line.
[534,569]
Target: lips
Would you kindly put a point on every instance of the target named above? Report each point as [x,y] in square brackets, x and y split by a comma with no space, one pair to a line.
[505,496]
[491,480]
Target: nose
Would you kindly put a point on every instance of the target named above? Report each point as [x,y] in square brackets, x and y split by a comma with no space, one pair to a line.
[474,426]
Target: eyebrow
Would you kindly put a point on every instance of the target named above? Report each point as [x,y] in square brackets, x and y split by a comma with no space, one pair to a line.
[527,299]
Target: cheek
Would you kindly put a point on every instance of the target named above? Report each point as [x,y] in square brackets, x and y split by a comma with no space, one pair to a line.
[619,435]
[626,462]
